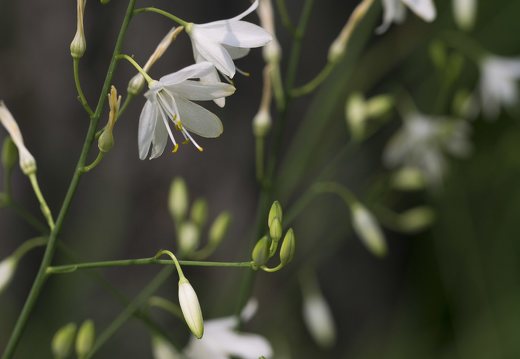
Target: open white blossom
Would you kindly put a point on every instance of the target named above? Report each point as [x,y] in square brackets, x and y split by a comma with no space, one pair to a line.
[170,99]
[221,42]
[423,143]
[498,83]
[27,162]
[394,11]
[7,269]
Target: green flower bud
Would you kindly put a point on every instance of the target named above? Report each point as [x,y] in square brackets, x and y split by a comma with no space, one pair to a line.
[9,154]
[219,228]
[63,340]
[260,253]
[199,212]
[356,114]
[104,2]
[85,338]
[188,238]
[190,307]
[275,211]
[275,230]
[178,199]
[408,179]
[416,219]
[367,228]
[288,247]
[379,106]
[106,140]
[78,45]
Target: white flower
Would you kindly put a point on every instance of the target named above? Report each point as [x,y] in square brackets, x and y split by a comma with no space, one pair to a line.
[190,307]
[27,162]
[221,42]
[367,228]
[394,11]
[498,85]
[7,269]
[221,341]
[423,142]
[169,99]
[465,12]
[318,318]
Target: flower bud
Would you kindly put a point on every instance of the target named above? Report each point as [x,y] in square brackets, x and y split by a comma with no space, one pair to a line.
[356,115]
[336,50]
[63,340]
[178,199]
[408,179]
[416,219]
[379,106]
[288,247]
[199,212]
[7,269]
[219,228]
[465,13]
[260,253]
[85,338]
[188,238]
[367,228]
[190,307]
[318,318]
[106,140]
[272,52]
[275,211]
[275,229]
[262,123]
[79,44]
[9,154]
[136,84]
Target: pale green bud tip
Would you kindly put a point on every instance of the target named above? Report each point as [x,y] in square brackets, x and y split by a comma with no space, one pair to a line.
[355,112]
[78,46]
[275,230]
[63,340]
[416,219]
[199,212]
[367,228]
[272,52]
[7,269]
[9,154]
[163,349]
[188,238]
[191,308]
[262,123]
[379,105]
[219,228]
[408,179]
[260,253]
[104,2]
[85,338]
[288,247]
[106,140]
[178,199]
[136,84]
[275,212]
[336,50]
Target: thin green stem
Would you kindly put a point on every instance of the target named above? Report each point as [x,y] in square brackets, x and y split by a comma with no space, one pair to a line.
[43,204]
[81,95]
[178,20]
[137,67]
[284,16]
[29,245]
[272,270]
[93,165]
[167,306]
[50,249]
[314,83]
[259,155]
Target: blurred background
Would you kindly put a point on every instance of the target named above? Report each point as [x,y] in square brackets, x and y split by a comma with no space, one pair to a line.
[448,291]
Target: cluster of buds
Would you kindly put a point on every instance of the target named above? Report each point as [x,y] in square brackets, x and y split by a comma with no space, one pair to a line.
[69,336]
[190,223]
[267,246]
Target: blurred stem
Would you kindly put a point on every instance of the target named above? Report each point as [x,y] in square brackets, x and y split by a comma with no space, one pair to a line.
[284,16]
[27,216]
[163,13]
[259,154]
[314,83]
[93,165]
[167,306]
[29,245]
[41,199]
[8,188]
[40,279]
[81,95]
[465,44]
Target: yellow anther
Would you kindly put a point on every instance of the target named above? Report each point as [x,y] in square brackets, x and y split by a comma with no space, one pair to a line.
[175,148]
[185,141]
[200,149]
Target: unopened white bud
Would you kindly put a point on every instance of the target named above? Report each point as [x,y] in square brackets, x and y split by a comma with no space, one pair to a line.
[7,269]
[188,238]
[367,228]
[78,46]
[319,319]
[262,123]
[272,52]
[191,308]
[336,50]
[136,84]
[178,199]
[163,350]
[379,106]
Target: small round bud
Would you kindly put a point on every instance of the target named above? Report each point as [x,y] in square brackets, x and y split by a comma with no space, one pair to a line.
[288,247]
[188,238]
[262,123]
[191,308]
[260,253]
[275,229]
[9,154]
[336,50]
[85,338]
[465,12]
[104,2]
[199,212]
[367,228]
[136,84]
[178,199]
[7,269]
[219,228]
[106,140]
[272,52]
[63,340]
[78,46]
[275,212]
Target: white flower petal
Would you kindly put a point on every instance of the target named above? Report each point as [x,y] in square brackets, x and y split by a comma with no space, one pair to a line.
[199,120]
[393,11]
[199,91]
[425,9]
[238,34]
[147,122]
[160,137]
[210,78]
[213,52]
[237,52]
[249,10]
[193,71]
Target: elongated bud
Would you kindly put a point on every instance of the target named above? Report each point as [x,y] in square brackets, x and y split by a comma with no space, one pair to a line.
[191,308]
[379,106]
[408,179]
[199,212]
[275,212]
[9,154]
[219,228]
[355,112]
[416,219]
[275,229]
[272,51]
[367,228]
[318,317]
[79,44]
[188,238]
[106,140]
[178,199]
[85,338]
[260,253]
[26,159]
[63,340]
[465,13]
[7,270]
[288,247]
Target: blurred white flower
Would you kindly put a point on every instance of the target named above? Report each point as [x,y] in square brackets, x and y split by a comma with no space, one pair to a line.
[7,269]
[465,13]
[162,349]
[394,11]
[169,99]
[423,142]
[498,87]
[368,229]
[318,318]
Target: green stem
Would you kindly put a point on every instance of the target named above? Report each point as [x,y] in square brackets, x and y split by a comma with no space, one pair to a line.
[81,95]
[43,204]
[69,268]
[29,245]
[178,20]
[93,165]
[50,249]
[259,155]
[314,83]
[128,99]
[272,270]
[8,183]
[284,15]
[167,306]
[137,67]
